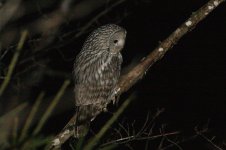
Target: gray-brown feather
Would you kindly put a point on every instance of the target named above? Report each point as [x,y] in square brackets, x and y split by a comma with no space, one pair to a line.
[96,73]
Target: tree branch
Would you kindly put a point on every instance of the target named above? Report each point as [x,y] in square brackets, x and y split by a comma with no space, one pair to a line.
[136,73]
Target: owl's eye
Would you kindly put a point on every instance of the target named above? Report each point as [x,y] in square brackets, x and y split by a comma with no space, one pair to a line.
[115,41]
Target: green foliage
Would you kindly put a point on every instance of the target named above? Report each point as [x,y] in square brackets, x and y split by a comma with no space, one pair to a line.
[13,62]
[51,107]
[24,132]
[4,128]
[36,142]
[26,141]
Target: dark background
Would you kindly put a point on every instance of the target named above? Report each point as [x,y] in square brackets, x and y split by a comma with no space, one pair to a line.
[189,82]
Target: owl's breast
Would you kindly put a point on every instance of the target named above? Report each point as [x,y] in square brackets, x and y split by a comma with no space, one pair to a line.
[98,81]
[109,71]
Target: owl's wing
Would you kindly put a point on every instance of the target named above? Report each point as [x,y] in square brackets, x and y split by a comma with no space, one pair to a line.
[100,84]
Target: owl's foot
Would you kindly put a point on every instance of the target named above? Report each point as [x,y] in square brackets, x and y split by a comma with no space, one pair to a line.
[116,91]
[105,109]
[76,135]
[115,98]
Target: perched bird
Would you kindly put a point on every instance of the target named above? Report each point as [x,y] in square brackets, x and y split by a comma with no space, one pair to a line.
[96,72]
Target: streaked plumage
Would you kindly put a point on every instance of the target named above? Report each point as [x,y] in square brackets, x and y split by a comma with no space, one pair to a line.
[96,72]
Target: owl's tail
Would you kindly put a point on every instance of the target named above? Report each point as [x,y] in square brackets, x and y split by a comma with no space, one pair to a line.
[84,115]
[78,125]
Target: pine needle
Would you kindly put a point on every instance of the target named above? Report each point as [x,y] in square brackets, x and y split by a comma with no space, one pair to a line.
[51,107]
[13,62]
[31,116]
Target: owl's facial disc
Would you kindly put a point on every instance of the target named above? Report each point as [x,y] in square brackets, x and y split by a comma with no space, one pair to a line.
[117,41]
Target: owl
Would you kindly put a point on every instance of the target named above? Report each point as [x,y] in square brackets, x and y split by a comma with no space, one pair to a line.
[96,72]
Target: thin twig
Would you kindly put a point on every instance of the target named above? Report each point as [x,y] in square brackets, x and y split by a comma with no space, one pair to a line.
[204,130]
[133,138]
[79,33]
[208,140]
[174,143]
[104,129]
[82,30]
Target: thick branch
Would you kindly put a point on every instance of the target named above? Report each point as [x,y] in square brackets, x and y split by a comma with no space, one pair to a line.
[136,73]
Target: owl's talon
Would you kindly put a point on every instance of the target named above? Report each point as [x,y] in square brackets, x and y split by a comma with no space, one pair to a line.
[105,110]
[116,91]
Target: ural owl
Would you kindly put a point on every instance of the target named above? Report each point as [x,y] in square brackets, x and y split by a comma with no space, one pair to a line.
[96,72]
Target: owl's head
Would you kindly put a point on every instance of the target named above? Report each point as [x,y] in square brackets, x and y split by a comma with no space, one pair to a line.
[109,38]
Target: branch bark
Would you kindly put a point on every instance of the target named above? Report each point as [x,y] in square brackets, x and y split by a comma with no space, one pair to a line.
[136,73]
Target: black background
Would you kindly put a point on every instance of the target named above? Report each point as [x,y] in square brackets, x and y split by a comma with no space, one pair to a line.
[189,82]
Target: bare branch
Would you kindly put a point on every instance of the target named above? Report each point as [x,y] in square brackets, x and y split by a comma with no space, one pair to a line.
[210,141]
[133,138]
[137,72]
